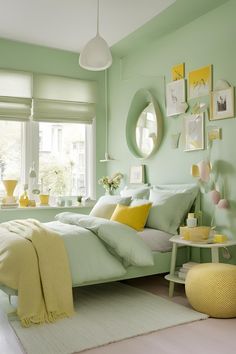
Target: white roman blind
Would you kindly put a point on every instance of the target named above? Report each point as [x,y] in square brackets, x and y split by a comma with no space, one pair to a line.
[15,95]
[62,99]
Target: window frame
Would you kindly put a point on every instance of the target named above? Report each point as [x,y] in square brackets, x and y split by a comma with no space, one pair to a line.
[30,154]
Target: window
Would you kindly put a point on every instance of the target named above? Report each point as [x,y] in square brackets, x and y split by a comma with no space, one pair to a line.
[55,133]
[62,158]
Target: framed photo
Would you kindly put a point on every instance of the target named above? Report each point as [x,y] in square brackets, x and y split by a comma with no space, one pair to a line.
[222,104]
[175,98]
[136,174]
[178,72]
[194,132]
[200,82]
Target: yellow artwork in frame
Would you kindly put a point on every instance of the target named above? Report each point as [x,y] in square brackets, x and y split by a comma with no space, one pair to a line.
[178,72]
[200,82]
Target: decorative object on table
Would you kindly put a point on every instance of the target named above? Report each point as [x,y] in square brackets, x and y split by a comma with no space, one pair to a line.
[24,198]
[111,183]
[183,271]
[211,289]
[175,98]
[178,72]
[200,82]
[195,234]
[191,221]
[96,54]
[194,132]
[136,175]
[222,104]
[219,238]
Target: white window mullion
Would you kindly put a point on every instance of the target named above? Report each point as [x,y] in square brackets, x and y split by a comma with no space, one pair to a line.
[30,149]
[90,160]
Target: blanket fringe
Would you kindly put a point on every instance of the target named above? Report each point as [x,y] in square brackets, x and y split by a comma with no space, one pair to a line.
[50,318]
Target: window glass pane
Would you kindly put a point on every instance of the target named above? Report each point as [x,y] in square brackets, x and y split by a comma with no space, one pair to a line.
[62,162]
[10,151]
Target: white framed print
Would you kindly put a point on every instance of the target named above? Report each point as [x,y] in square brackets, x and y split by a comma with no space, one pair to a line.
[194,132]
[136,174]
[175,98]
[222,104]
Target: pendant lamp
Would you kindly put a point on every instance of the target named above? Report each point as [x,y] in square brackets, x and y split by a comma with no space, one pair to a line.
[107,157]
[96,55]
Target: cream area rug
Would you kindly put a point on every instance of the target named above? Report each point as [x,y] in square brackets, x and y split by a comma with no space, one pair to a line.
[104,314]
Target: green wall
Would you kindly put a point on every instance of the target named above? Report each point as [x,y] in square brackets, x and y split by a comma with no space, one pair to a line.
[21,56]
[210,39]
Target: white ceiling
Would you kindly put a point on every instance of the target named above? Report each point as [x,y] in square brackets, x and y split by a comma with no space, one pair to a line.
[70,24]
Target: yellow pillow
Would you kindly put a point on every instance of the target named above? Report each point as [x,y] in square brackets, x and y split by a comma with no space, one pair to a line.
[133,216]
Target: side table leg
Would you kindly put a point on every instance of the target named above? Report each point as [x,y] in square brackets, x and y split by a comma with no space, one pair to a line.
[215,255]
[172,268]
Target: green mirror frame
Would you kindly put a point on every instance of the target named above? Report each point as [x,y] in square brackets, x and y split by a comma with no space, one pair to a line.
[140,101]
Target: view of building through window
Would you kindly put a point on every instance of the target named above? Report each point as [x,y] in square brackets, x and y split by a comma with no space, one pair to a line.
[62,151]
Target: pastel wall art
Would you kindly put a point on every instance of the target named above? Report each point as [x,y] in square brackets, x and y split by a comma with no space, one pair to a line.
[178,72]
[222,104]
[175,98]
[200,82]
[194,132]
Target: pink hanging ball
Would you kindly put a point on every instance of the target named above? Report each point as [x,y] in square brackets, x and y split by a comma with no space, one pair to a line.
[215,196]
[223,204]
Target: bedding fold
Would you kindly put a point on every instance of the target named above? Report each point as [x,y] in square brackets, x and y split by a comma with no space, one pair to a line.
[41,271]
[121,240]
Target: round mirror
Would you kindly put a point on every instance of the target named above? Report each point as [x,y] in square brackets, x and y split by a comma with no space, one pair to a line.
[144,125]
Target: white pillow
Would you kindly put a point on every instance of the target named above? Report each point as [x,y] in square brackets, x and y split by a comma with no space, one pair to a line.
[136,193]
[106,205]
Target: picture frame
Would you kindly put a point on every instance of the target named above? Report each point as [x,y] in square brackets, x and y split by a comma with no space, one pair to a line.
[136,175]
[194,132]
[200,82]
[222,104]
[178,72]
[175,98]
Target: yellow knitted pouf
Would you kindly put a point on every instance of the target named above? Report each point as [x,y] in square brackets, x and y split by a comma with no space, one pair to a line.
[211,289]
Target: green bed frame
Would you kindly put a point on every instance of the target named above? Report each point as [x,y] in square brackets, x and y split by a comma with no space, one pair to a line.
[161,265]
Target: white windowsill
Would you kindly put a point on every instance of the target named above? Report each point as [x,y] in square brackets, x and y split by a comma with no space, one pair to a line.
[89,204]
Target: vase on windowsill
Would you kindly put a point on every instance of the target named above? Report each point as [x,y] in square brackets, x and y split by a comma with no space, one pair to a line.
[109,192]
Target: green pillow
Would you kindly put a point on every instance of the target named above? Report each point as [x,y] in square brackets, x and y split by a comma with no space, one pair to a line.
[169,209]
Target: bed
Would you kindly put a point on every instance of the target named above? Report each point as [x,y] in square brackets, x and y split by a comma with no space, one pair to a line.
[92,240]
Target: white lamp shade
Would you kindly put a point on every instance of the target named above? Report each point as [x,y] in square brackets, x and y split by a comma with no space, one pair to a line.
[96,55]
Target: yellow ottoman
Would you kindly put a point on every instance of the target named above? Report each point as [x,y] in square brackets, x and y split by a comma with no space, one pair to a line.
[211,289]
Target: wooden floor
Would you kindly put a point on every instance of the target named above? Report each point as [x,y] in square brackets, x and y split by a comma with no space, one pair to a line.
[211,336]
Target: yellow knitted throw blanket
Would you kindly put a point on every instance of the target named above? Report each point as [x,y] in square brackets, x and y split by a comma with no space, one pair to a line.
[33,260]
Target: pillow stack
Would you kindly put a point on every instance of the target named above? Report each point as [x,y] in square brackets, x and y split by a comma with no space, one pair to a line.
[162,207]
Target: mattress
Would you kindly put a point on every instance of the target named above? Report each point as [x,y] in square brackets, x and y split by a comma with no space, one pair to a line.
[157,240]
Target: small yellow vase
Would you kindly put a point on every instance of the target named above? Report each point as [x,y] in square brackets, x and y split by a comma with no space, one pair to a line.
[10,185]
[24,200]
[44,199]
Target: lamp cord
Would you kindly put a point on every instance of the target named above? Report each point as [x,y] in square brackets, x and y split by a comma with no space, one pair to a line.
[98,17]
[106,112]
